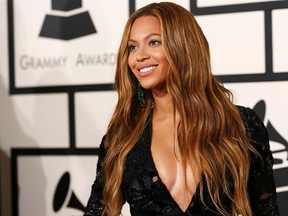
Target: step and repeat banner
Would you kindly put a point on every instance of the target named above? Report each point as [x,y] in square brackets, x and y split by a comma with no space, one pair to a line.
[56,90]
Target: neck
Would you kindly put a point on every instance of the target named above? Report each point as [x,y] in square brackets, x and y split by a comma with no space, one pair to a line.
[164,107]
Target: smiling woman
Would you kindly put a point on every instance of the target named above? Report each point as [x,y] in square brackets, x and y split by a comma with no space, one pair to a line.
[176,144]
[147,59]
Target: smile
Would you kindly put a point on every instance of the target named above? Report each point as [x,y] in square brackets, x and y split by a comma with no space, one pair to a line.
[147,69]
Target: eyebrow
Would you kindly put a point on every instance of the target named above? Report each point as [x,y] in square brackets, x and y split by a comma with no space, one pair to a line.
[146,37]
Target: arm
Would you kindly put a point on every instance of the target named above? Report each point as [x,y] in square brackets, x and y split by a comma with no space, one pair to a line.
[261,185]
[94,206]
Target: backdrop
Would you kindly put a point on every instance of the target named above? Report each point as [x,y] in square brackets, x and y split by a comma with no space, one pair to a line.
[57,61]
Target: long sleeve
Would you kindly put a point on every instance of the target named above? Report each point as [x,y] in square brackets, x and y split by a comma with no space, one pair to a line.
[94,206]
[261,185]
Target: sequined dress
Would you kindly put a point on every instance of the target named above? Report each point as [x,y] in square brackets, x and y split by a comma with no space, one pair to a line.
[147,195]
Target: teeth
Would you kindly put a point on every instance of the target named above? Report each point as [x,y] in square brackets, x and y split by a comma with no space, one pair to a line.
[143,70]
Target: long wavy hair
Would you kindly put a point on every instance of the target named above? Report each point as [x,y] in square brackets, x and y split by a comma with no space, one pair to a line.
[211,132]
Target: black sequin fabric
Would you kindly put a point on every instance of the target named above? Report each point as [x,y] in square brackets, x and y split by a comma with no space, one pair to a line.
[147,195]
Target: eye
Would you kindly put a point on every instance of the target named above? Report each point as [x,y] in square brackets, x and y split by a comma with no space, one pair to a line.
[154,42]
[131,48]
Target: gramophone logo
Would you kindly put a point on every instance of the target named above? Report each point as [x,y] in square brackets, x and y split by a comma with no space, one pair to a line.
[67,27]
[64,195]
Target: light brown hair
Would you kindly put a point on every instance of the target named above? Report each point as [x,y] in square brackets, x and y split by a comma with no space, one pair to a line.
[211,133]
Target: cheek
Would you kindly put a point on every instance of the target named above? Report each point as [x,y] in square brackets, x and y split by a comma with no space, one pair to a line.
[164,62]
[130,65]
[161,57]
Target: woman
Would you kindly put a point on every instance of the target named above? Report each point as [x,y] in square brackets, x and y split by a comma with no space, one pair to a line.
[176,145]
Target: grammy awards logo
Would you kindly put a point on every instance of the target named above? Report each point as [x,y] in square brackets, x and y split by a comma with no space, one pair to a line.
[61,192]
[67,27]
[279,150]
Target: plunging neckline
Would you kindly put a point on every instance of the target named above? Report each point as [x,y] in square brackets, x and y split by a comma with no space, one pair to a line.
[165,189]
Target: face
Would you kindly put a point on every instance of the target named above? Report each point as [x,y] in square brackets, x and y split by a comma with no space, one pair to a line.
[146,58]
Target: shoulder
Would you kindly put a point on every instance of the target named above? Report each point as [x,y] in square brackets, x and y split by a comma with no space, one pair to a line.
[102,147]
[256,131]
[258,137]
[254,126]
[250,118]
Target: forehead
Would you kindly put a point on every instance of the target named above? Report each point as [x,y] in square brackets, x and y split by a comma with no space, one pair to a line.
[145,25]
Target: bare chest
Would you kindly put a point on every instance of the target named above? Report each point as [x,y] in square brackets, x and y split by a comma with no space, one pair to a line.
[167,160]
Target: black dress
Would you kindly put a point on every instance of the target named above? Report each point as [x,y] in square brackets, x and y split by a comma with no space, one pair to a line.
[147,195]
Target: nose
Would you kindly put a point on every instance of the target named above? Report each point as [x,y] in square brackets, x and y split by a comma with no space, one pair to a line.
[142,54]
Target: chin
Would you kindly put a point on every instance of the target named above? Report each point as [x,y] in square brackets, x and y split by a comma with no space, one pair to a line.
[153,85]
[146,85]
